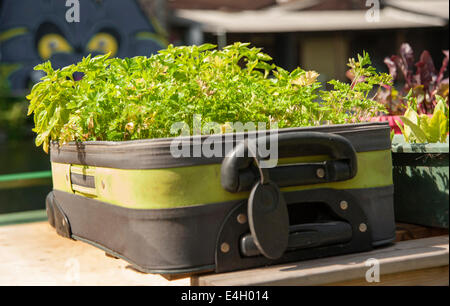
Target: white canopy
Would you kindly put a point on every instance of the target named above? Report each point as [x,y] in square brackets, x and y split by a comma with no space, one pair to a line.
[437,8]
[421,14]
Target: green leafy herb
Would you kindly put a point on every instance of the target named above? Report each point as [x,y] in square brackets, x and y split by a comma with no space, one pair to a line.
[141,97]
[356,101]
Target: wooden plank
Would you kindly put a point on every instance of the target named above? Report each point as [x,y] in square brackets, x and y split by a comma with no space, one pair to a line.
[411,231]
[400,261]
[424,277]
[33,254]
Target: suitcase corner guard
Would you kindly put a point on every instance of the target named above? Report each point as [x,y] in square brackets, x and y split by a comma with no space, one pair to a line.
[56,217]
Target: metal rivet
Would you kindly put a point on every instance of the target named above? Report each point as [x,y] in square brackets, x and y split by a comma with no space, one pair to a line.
[344,205]
[363,227]
[242,219]
[225,247]
[320,173]
[103,185]
[67,177]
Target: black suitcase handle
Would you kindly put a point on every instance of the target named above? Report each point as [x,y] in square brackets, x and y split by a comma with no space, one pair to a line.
[237,174]
[267,210]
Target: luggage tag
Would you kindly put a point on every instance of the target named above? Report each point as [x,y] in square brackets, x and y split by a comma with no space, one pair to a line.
[268,217]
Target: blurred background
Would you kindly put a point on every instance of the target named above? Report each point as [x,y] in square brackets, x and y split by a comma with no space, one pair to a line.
[314,34]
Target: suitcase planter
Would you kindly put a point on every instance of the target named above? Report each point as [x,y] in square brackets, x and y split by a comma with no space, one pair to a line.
[420,164]
[330,194]
[421,177]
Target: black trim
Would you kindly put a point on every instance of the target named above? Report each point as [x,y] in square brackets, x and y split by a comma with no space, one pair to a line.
[82,180]
[56,217]
[184,239]
[193,270]
[156,154]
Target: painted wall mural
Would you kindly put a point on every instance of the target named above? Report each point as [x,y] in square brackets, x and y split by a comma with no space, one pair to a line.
[33,31]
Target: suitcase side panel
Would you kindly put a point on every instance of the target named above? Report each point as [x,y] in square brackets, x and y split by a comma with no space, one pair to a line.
[158,241]
[184,239]
[199,185]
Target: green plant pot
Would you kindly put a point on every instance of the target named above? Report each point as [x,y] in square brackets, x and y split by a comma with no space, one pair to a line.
[421,180]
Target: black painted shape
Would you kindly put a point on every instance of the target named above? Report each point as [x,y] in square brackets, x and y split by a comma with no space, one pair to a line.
[123,19]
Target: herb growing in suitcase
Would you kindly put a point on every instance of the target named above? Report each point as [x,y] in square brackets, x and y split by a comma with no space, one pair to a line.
[330,193]
[140,97]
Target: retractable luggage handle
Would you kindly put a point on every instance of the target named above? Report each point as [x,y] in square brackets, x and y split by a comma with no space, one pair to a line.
[236,174]
[267,210]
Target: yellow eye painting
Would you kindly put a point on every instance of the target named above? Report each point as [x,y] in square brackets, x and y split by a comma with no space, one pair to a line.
[52,43]
[103,43]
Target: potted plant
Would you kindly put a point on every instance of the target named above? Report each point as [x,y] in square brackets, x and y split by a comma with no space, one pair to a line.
[125,182]
[421,79]
[421,168]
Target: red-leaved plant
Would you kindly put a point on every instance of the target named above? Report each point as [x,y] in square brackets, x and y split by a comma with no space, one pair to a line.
[422,79]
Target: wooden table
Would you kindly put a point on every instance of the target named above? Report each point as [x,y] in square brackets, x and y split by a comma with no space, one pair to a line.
[412,262]
[33,254]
